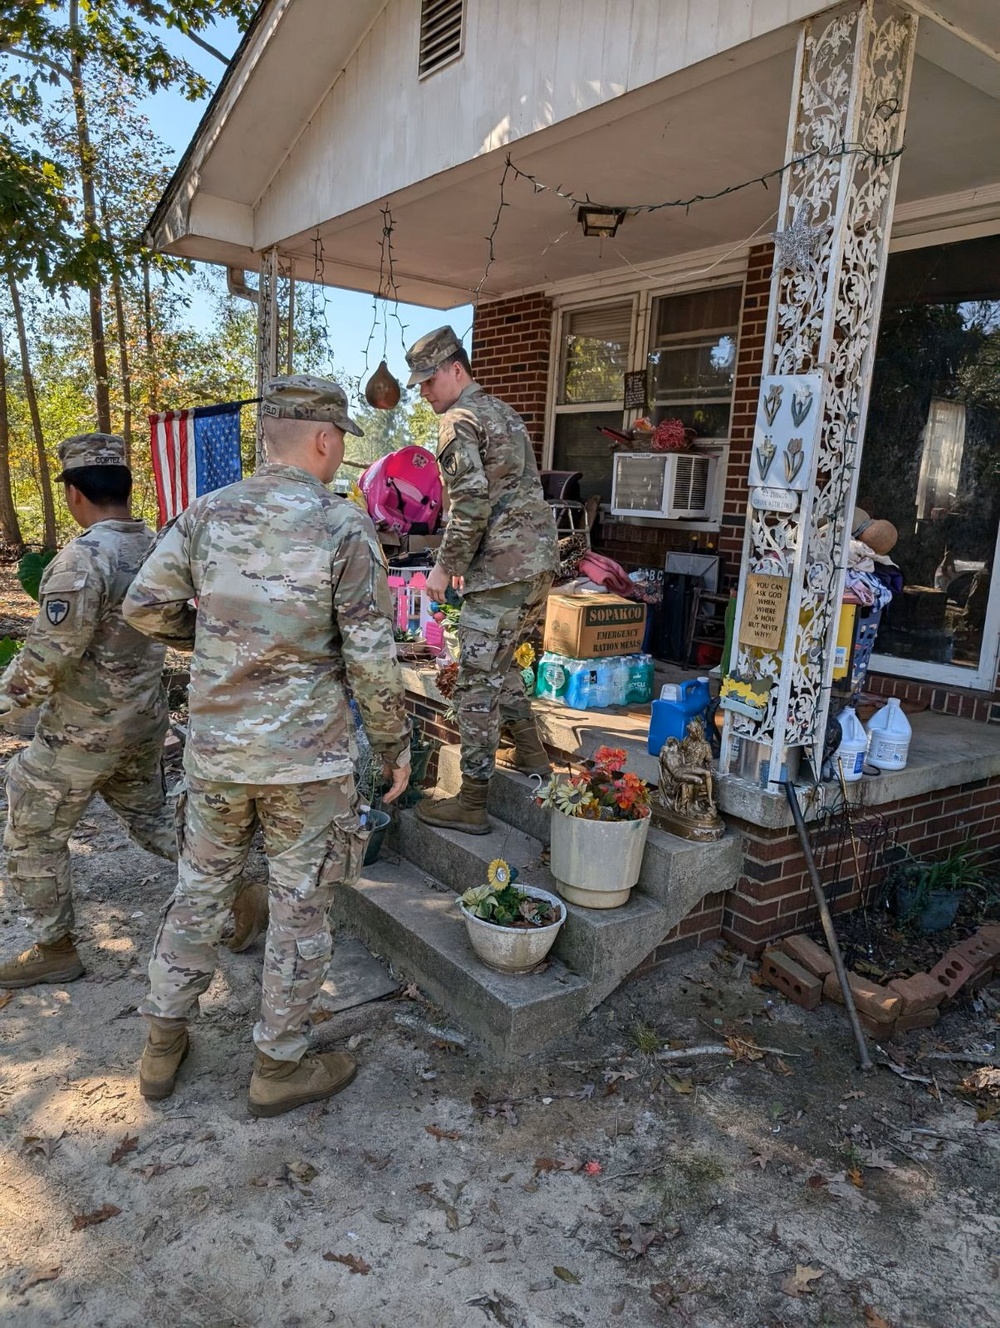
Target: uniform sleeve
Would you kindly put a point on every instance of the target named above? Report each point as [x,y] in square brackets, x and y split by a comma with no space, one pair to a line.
[71,600]
[464,477]
[158,600]
[362,607]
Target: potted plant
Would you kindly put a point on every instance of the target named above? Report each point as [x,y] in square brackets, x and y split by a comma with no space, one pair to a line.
[511,927]
[928,893]
[600,819]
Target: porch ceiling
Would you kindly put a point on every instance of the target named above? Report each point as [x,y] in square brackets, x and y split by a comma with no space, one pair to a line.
[701,130]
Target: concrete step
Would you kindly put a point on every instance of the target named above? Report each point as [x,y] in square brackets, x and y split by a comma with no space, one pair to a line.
[412,920]
[602,945]
[676,872]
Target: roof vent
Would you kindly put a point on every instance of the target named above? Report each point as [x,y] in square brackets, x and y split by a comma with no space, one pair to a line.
[441,34]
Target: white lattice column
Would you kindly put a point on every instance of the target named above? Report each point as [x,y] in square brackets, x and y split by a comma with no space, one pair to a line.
[845,135]
[267,332]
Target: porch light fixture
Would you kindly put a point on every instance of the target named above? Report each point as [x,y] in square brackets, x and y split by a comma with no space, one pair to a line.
[600,221]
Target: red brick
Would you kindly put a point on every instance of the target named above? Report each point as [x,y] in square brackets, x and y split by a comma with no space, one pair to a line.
[879,1003]
[788,977]
[808,955]
[952,972]
[919,993]
[918,1019]
[875,1029]
[983,949]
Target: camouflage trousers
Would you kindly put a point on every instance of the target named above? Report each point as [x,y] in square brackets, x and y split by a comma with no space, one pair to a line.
[48,790]
[489,691]
[313,841]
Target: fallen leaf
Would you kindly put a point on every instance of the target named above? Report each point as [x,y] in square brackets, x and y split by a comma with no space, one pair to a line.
[874,1320]
[611,1076]
[351,1261]
[129,1144]
[760,1160]
[375,1160]
[817,1182]
[42,1145]
[840,1189]
[161,1168]
[856,1178]
[565,1275]
[778,1066]
[557,1164]
[438,1133]
[293,1245]
[799,1282]
[872,1158]
[758,981]
[853,1094]
[636,1238]
[5,999]
[101,1214]
[301,1172]
[679,1085]
[744,1050]
[32,1276]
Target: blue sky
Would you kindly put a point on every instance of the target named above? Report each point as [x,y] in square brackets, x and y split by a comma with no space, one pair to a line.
[175,121]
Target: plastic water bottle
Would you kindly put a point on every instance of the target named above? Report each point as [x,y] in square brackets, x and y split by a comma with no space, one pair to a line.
[553,677]
[619,681]
[853,745]
[603,686]
[579,691]
[889,736]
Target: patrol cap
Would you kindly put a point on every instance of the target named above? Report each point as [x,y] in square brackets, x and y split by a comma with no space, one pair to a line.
[90,449]
[426,355]
[303,397]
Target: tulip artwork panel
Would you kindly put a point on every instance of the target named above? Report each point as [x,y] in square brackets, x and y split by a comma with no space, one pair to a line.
[789,418]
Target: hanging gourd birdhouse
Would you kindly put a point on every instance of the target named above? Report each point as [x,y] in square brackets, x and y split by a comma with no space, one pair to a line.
[382,390]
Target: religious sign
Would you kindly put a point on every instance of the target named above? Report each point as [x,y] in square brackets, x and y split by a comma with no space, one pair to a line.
[635,390]
[789,419]
[774,500]
[763,621]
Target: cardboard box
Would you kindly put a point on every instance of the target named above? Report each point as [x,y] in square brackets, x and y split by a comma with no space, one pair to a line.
[589,626]
[422,543]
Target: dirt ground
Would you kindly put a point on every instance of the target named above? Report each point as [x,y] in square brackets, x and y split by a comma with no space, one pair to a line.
[595,1184]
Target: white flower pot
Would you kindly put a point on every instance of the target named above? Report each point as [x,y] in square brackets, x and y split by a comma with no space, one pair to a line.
[596,863]
[513,949]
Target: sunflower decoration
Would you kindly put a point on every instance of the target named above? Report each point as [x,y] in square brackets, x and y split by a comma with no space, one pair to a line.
[498,874]
[571,799]
[524,655]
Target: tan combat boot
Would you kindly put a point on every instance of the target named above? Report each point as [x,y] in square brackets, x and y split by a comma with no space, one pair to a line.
[524,752]
[280,1086]
[465,811]
[250,916]
[166,1046]
[56,962]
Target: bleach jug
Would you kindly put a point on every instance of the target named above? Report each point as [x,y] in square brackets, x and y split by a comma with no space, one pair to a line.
[889,736]
[853,746]
[678,704]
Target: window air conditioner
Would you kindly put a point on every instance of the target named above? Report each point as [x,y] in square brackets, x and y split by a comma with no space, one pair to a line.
[662,484]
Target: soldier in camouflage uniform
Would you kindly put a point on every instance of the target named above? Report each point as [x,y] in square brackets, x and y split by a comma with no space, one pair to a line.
[293,610]
[500,547]
[103,716]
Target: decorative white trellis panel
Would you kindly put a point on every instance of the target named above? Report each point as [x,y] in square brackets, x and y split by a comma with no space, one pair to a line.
[267,333]
[846,132]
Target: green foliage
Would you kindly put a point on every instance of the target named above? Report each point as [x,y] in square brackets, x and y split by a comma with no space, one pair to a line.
[961,869]
[8,649]
[30,569]
[509,906]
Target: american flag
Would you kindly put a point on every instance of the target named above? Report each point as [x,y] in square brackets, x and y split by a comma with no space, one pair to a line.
[194,451]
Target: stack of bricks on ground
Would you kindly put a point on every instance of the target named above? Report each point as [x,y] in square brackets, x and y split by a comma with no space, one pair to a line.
[805,973]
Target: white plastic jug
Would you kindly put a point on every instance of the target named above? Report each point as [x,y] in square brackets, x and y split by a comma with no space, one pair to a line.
[853,746]
[889,735]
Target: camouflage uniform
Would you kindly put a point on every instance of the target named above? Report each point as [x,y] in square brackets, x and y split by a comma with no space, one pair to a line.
[103,710]
[501,539]
[292,609]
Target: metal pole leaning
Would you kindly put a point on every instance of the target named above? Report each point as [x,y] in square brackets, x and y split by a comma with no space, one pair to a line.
[828,931]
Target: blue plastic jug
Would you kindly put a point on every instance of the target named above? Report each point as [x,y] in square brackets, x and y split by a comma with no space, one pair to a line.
[678,703]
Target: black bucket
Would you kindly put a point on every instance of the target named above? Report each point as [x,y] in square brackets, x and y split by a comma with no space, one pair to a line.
[379,822]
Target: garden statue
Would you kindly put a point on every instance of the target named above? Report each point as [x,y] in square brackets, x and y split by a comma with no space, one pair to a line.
[685,803]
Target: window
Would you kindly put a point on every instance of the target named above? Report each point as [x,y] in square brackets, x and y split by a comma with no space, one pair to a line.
[594,356]
[691,366]
[441,34]
[929,460]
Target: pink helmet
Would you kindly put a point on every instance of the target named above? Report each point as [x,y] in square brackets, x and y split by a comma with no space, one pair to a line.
[403,489]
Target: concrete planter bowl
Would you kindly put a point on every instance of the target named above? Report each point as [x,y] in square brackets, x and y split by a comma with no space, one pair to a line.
[514,949]
[596,863]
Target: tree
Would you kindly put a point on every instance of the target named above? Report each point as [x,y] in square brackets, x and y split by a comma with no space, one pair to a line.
[10,527]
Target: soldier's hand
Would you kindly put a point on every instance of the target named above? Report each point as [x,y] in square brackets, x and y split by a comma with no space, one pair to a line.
[400,777]
[437,584]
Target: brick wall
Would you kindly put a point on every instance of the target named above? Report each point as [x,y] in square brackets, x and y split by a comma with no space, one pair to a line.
[511,341]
